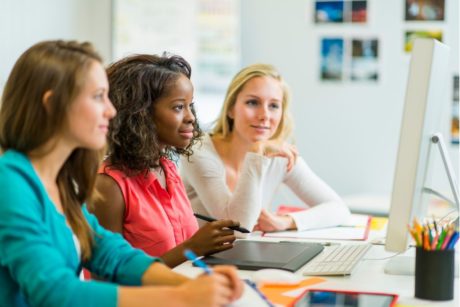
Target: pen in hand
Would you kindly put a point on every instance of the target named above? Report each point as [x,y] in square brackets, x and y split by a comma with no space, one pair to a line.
[198,262]
[211,219]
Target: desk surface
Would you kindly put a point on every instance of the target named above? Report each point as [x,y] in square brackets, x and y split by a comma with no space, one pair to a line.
[368,276]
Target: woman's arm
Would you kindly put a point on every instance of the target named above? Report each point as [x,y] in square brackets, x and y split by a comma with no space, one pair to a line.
[46,274]
[115,260]
[39,270]
[109,207]
[218,289]
[327,208]
[269,222]
[211,238]
[206,175]
[126,263]
[273,149]
[159,274]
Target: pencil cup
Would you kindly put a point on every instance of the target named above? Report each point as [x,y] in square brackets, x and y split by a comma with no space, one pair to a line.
[434,274]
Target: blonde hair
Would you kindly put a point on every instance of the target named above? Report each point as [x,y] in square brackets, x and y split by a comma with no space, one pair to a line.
[224,124]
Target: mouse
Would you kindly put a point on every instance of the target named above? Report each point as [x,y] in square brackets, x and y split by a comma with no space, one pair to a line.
[276,277]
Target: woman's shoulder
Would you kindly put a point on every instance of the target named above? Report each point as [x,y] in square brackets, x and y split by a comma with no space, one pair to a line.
[117,172]
[16,168]
[278,165]
[204,143]
[204,159]
[125,179]
[11,158]
[203,149]
[19,183]
[107,169]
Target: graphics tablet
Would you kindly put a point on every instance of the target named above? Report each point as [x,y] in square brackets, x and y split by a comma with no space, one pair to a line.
[256,255]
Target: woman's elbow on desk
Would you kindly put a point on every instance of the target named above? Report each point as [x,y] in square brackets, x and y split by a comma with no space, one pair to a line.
[327,214]
[340,212]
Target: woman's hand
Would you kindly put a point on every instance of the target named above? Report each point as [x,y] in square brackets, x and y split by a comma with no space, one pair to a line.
[276,149]
[217,289]
[213,237]
[269,222]
[236,284]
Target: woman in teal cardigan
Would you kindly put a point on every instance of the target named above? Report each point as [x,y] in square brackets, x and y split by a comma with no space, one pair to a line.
[53,124]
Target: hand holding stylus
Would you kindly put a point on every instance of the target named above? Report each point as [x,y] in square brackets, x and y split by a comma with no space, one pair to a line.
[225,278]
[211,219]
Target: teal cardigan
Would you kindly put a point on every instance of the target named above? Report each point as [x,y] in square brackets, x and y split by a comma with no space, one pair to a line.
[39,264]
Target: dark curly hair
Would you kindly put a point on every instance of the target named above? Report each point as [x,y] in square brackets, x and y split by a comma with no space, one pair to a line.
[136,83]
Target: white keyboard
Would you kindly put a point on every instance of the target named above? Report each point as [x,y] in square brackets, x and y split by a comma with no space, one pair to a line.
[336,260]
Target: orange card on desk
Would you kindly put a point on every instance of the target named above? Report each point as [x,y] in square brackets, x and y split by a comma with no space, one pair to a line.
[275,292]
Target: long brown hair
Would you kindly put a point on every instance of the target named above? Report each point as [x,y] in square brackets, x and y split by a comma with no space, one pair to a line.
[136,84]
[59,67]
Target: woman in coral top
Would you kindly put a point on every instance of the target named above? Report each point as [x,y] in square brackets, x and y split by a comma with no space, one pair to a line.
[142,195]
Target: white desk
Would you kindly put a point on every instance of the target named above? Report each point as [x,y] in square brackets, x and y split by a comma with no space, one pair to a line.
[368,276]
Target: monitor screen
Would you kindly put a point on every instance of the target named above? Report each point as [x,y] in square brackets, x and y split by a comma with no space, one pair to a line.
[425,95]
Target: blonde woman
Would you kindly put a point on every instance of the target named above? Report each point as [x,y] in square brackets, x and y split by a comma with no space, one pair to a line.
[236,171]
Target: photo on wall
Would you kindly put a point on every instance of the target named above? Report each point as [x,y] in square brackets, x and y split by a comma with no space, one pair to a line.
[364,60]
[455,133]
[411,35]
[349,59]
[359,11]
[340,11]
[424,10]
[332,52]
[328,11]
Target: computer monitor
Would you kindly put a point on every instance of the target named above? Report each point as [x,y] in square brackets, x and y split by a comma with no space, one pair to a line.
[425,95]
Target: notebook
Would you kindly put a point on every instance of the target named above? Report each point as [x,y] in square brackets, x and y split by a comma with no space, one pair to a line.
[357,228]
[255,255]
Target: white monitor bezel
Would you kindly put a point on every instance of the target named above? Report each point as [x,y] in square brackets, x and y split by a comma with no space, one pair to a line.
[425,93]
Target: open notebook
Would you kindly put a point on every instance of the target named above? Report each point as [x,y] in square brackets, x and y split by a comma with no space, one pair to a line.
[357,228]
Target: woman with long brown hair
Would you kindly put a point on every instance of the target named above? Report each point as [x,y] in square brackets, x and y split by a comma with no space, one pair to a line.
[54,119]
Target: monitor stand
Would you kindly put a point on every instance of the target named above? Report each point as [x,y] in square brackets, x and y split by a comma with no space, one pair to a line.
[439,141]
[400,265]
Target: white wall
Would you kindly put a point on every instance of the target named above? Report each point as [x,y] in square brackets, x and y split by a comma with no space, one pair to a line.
[25,22]
[347,132]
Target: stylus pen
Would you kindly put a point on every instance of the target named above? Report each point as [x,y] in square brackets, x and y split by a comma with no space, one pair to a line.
[211,219]
[256,289]
[198,262]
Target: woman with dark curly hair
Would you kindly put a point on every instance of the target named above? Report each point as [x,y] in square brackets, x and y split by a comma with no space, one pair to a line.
[143,196]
